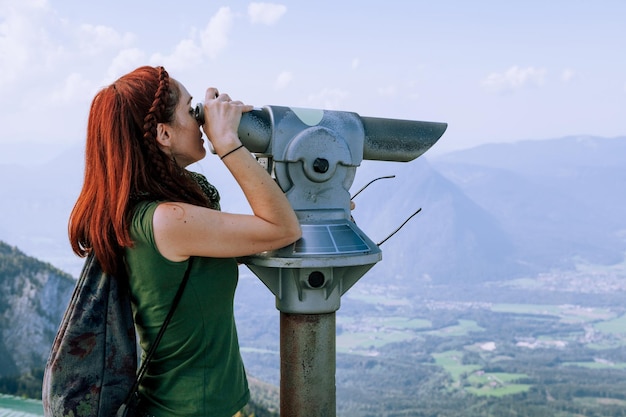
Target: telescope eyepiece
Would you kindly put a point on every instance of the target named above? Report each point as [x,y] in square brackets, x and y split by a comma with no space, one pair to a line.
[198,113]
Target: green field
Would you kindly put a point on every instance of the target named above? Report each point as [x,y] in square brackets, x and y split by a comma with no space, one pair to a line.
[378,331]
[616,326]
[463,328]
[498,391]
[472,379]
[375,332]
[451,362]
[567,313]
[597,365]
[367,335]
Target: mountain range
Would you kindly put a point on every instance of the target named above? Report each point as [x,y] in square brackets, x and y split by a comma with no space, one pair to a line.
[496,211]
[501,211]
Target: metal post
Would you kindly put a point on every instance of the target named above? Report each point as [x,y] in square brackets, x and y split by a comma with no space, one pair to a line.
[307,365]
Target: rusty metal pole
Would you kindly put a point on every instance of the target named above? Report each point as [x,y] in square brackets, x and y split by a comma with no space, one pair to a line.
[307,365]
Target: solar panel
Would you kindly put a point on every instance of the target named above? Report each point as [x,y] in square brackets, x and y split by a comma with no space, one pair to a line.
[329,239]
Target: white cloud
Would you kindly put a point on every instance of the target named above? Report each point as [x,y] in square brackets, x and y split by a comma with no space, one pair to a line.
[52,61]
[211,41]
[283,80]
[186,54]
[329,99]
[96,39]
[568,75]
[388,91]
[514,78]
[48,52]
[214,38]
[73,89]
[266,13]
[25,45]
[125,61]
[356,63]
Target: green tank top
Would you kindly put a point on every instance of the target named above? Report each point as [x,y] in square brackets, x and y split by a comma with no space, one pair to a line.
[197,368]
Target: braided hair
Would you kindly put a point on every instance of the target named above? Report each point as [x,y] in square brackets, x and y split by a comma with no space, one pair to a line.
[124,165]
[170,181]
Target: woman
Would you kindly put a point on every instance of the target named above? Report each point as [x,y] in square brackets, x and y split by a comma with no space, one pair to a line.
[144,215]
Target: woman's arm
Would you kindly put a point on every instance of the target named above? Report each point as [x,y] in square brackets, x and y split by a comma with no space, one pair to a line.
[182,230]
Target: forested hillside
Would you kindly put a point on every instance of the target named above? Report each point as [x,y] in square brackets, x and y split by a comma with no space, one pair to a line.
[33,295]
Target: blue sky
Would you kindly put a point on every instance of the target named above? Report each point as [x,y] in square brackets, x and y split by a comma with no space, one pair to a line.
[495,71]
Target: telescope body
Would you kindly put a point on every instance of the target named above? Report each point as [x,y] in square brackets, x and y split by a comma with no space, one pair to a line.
[313,155]
[383,139]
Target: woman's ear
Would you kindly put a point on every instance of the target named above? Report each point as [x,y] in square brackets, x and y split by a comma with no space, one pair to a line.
[163,136]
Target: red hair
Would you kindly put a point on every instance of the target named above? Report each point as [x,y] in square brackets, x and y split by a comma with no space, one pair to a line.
[124,165]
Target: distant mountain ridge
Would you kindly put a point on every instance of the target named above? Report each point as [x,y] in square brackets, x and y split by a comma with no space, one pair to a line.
[561,200]
[500,211]
[492,212]
[451,238]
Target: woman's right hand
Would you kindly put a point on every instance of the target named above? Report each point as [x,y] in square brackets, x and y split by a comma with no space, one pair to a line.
[222,118]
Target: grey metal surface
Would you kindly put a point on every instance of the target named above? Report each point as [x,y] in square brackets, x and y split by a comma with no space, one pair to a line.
[383,139]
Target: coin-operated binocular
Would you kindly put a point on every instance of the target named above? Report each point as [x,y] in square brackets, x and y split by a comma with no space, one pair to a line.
[313,155]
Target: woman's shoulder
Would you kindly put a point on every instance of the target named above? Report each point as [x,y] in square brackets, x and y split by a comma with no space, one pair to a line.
[144,208]
[141,219]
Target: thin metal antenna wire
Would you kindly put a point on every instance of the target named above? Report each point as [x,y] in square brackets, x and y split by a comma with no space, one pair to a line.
[369,183]
[402,225]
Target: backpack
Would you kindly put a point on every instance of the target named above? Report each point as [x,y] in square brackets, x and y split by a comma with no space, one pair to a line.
[93,361]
